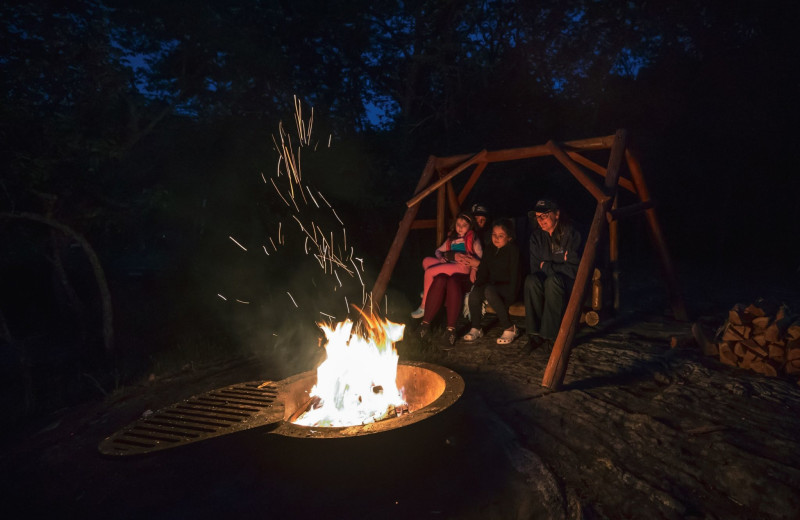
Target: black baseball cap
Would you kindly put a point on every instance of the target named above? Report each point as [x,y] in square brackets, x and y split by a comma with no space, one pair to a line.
[479,210]
[545,206]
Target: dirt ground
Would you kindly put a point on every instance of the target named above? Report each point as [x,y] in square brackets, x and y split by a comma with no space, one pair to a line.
[640,430]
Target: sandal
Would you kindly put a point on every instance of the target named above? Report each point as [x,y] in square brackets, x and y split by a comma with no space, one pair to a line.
[508,336]
[473,334]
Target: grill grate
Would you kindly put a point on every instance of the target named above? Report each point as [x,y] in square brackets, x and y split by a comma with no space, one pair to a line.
[219,412]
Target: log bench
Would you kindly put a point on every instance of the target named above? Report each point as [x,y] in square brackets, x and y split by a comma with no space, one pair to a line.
[589,316]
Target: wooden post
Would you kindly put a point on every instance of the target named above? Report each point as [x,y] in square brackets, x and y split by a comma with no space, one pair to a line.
[613,177]
[441,197]
[613,257]
[557,364]
[382,281]
[676,299]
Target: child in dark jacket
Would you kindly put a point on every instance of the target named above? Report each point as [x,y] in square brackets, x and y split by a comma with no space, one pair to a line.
[496,281]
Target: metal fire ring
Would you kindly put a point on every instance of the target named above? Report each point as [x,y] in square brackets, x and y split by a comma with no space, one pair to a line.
[443,387]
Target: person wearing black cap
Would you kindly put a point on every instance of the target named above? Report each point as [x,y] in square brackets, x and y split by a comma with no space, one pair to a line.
[482,227]
[555,255]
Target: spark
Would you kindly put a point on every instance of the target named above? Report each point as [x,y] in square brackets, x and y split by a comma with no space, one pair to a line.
[224,298]
[263,178]
[330,136]
[237,243]
[305,245]
[279,194]
[278,148]
[312,196]
[265,249]
[337,278]
[240,301]
[273,244]
[290,296]
[328,315]
[359,274]
[337,216]
[323,198]
[347,305]
[280,239]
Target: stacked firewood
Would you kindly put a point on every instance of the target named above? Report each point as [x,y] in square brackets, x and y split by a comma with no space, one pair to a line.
[760,337]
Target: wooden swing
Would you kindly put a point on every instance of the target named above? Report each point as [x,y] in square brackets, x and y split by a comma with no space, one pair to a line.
[607,214]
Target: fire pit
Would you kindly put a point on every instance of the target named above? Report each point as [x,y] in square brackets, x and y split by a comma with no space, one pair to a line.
[428,390]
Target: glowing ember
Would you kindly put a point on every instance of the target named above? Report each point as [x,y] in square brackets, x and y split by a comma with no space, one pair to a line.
[357,382]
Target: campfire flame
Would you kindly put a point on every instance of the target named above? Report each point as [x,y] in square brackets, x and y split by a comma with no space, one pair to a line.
[357,382]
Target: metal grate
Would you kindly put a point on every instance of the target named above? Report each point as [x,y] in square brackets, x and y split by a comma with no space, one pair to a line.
[218,412]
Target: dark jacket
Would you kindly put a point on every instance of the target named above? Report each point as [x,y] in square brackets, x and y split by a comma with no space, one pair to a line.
[560,252]
[500,267]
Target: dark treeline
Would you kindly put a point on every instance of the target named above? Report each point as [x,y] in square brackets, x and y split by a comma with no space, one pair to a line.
[136,132]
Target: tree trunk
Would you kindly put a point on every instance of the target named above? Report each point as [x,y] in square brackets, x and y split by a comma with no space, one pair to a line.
[97,268]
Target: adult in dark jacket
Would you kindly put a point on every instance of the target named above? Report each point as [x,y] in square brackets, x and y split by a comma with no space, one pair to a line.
[497,281]
[555,255]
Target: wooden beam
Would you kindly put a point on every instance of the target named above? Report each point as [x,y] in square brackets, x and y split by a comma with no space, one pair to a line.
[627,211]
[673,288]
[476,173]
[448,163]
[512,154]
[615,160]
[382,281]
[557,364]
[478,157]
[576,171]
[452,201]
[591,165]
[429,223]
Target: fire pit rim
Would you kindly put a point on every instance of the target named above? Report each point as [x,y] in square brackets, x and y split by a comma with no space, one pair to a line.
[453,389]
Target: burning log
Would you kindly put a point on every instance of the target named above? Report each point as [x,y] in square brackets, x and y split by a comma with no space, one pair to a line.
[761,337]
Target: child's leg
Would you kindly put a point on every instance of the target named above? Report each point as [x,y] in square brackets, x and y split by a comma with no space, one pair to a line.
[431,272]
[429,261]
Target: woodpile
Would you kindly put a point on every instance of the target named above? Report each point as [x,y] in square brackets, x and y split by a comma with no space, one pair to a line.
[761,337]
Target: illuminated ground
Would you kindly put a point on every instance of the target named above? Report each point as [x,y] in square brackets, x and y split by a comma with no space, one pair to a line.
[639,431]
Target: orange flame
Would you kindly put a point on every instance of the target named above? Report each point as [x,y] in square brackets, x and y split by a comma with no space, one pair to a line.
[357,382]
